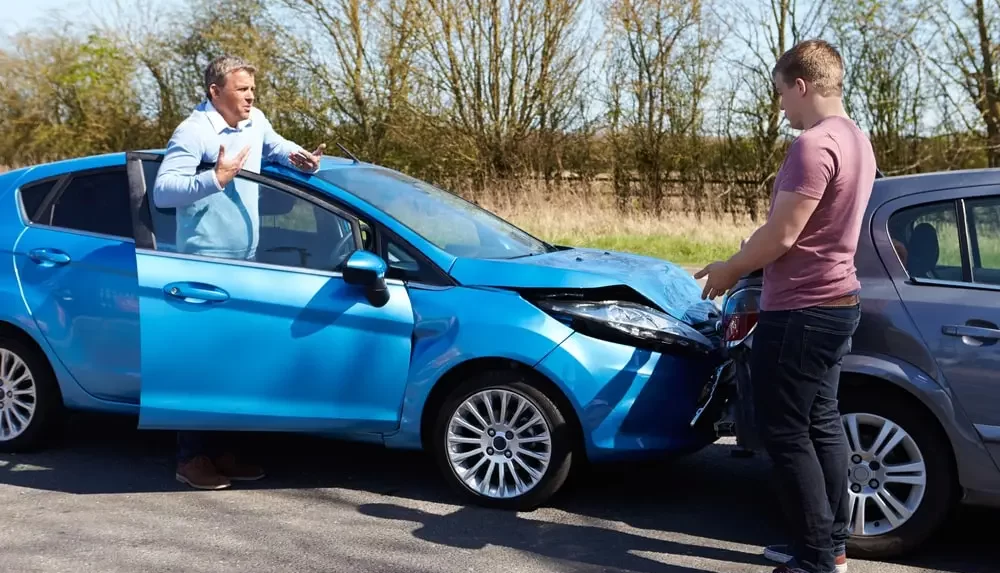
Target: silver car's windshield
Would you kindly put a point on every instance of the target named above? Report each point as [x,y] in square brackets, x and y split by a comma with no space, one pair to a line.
[449,222]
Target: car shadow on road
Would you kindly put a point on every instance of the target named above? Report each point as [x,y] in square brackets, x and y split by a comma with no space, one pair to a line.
[476,528]
[709,495]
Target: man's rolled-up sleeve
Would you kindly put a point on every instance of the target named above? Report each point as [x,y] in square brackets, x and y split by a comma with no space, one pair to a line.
[177,183]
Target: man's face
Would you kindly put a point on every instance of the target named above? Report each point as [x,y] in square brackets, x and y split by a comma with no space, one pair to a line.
[792,99]
[235,98]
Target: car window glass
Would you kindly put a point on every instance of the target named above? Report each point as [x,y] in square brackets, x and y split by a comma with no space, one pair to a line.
[255,222]
[926,241]
[404,265]
[367,236]
[984,239]
[451,223]
[95,203]
[33,195]
[398,258]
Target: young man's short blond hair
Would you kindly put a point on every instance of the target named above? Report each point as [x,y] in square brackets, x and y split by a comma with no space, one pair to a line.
[814,61]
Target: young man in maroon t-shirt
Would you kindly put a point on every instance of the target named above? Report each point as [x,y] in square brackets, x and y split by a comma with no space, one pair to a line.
[809,305]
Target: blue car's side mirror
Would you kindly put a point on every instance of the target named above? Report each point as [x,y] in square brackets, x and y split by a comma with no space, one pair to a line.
[368,270]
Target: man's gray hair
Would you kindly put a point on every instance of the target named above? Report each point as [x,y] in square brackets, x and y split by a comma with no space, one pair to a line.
[217,70]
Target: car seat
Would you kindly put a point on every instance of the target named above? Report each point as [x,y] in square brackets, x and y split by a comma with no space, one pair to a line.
[923,251]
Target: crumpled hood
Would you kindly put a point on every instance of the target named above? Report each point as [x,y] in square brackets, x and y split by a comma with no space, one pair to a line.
[667,285]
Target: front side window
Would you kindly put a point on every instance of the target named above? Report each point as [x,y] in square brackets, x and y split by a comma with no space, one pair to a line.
[255,222]
[984,239]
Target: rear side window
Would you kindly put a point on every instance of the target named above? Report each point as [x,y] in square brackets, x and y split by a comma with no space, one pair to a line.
[926,239]
[95,203]
[32,196]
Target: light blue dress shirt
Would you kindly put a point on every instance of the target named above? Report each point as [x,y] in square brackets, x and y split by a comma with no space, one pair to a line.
[211,220]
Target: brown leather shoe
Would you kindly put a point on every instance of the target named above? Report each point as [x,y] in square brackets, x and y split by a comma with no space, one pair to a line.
[234,470]
[200,473]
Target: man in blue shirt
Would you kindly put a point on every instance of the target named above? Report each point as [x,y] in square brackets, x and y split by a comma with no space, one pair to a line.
[217,215]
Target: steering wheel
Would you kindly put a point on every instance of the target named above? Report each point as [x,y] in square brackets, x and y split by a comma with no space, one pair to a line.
[340,246]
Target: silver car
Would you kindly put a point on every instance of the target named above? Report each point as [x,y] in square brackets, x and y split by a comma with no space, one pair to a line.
[920,390]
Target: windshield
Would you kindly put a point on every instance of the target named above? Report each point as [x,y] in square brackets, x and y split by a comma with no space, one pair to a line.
[449,222]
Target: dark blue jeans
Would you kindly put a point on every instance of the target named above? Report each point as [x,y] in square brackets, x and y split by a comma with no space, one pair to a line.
[795,368]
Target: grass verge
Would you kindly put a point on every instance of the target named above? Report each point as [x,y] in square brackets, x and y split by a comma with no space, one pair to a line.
[591,220]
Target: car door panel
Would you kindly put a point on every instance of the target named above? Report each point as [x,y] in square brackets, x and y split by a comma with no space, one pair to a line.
[247,345]
[81,290]
[281,350]
[957,313]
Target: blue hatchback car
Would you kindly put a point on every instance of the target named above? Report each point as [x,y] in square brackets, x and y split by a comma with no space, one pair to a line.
[377,308]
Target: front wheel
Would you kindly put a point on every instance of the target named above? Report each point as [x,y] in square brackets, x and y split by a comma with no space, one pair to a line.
[502,443]
[900,479]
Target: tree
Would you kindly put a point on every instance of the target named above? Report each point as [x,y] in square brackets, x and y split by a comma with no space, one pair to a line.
[660,53]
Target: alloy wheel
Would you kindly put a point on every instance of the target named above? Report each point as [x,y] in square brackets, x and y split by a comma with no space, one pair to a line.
[498,443]
[887,476]
[17,395]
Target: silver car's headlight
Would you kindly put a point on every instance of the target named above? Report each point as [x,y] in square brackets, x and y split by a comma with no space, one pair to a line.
[627,323]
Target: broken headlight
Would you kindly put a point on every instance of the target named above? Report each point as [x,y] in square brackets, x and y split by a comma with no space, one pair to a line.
[628,323]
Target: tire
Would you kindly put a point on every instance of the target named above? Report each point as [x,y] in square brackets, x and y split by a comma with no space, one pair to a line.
[938,498]
[515,388]
[47,399]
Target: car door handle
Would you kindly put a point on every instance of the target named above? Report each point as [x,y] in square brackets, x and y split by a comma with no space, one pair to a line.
[48,257]
[196,292]
[971,331]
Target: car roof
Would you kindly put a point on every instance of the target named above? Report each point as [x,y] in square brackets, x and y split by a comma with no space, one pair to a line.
[15,177]
[893,187]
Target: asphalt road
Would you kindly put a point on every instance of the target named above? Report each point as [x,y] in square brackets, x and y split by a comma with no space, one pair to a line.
[104,499]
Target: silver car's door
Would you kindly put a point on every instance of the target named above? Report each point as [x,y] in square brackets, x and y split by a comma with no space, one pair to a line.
[948,245]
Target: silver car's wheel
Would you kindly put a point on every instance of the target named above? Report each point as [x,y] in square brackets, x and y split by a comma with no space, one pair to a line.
[17,396]
[498,443]
[887,475]
[901,474]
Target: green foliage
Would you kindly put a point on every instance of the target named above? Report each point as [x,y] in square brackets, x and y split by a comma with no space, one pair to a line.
[462,95]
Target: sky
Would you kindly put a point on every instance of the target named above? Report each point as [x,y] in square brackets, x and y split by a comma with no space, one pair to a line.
[20,14]
[17,15]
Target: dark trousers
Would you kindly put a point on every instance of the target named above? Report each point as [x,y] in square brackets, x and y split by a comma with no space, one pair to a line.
[795,368]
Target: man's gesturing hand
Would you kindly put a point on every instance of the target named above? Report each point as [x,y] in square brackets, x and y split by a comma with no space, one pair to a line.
[721,277]
[307,161]
[226,168]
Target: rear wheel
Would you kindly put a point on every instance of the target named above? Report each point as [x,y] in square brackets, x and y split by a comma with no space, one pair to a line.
[29,397]
[501,442]
[900,479]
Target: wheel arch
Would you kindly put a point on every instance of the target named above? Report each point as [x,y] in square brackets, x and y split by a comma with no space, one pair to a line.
[866,381]
[463,370]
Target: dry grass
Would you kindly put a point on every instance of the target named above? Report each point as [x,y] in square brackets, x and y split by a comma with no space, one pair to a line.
[590,219]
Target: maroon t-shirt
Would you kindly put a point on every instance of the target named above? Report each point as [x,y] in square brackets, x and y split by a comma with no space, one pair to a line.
[833,162]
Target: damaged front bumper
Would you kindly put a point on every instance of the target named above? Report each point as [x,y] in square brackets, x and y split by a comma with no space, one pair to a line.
[727,405]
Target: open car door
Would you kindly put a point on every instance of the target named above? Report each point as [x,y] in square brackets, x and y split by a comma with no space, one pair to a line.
[277,341]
